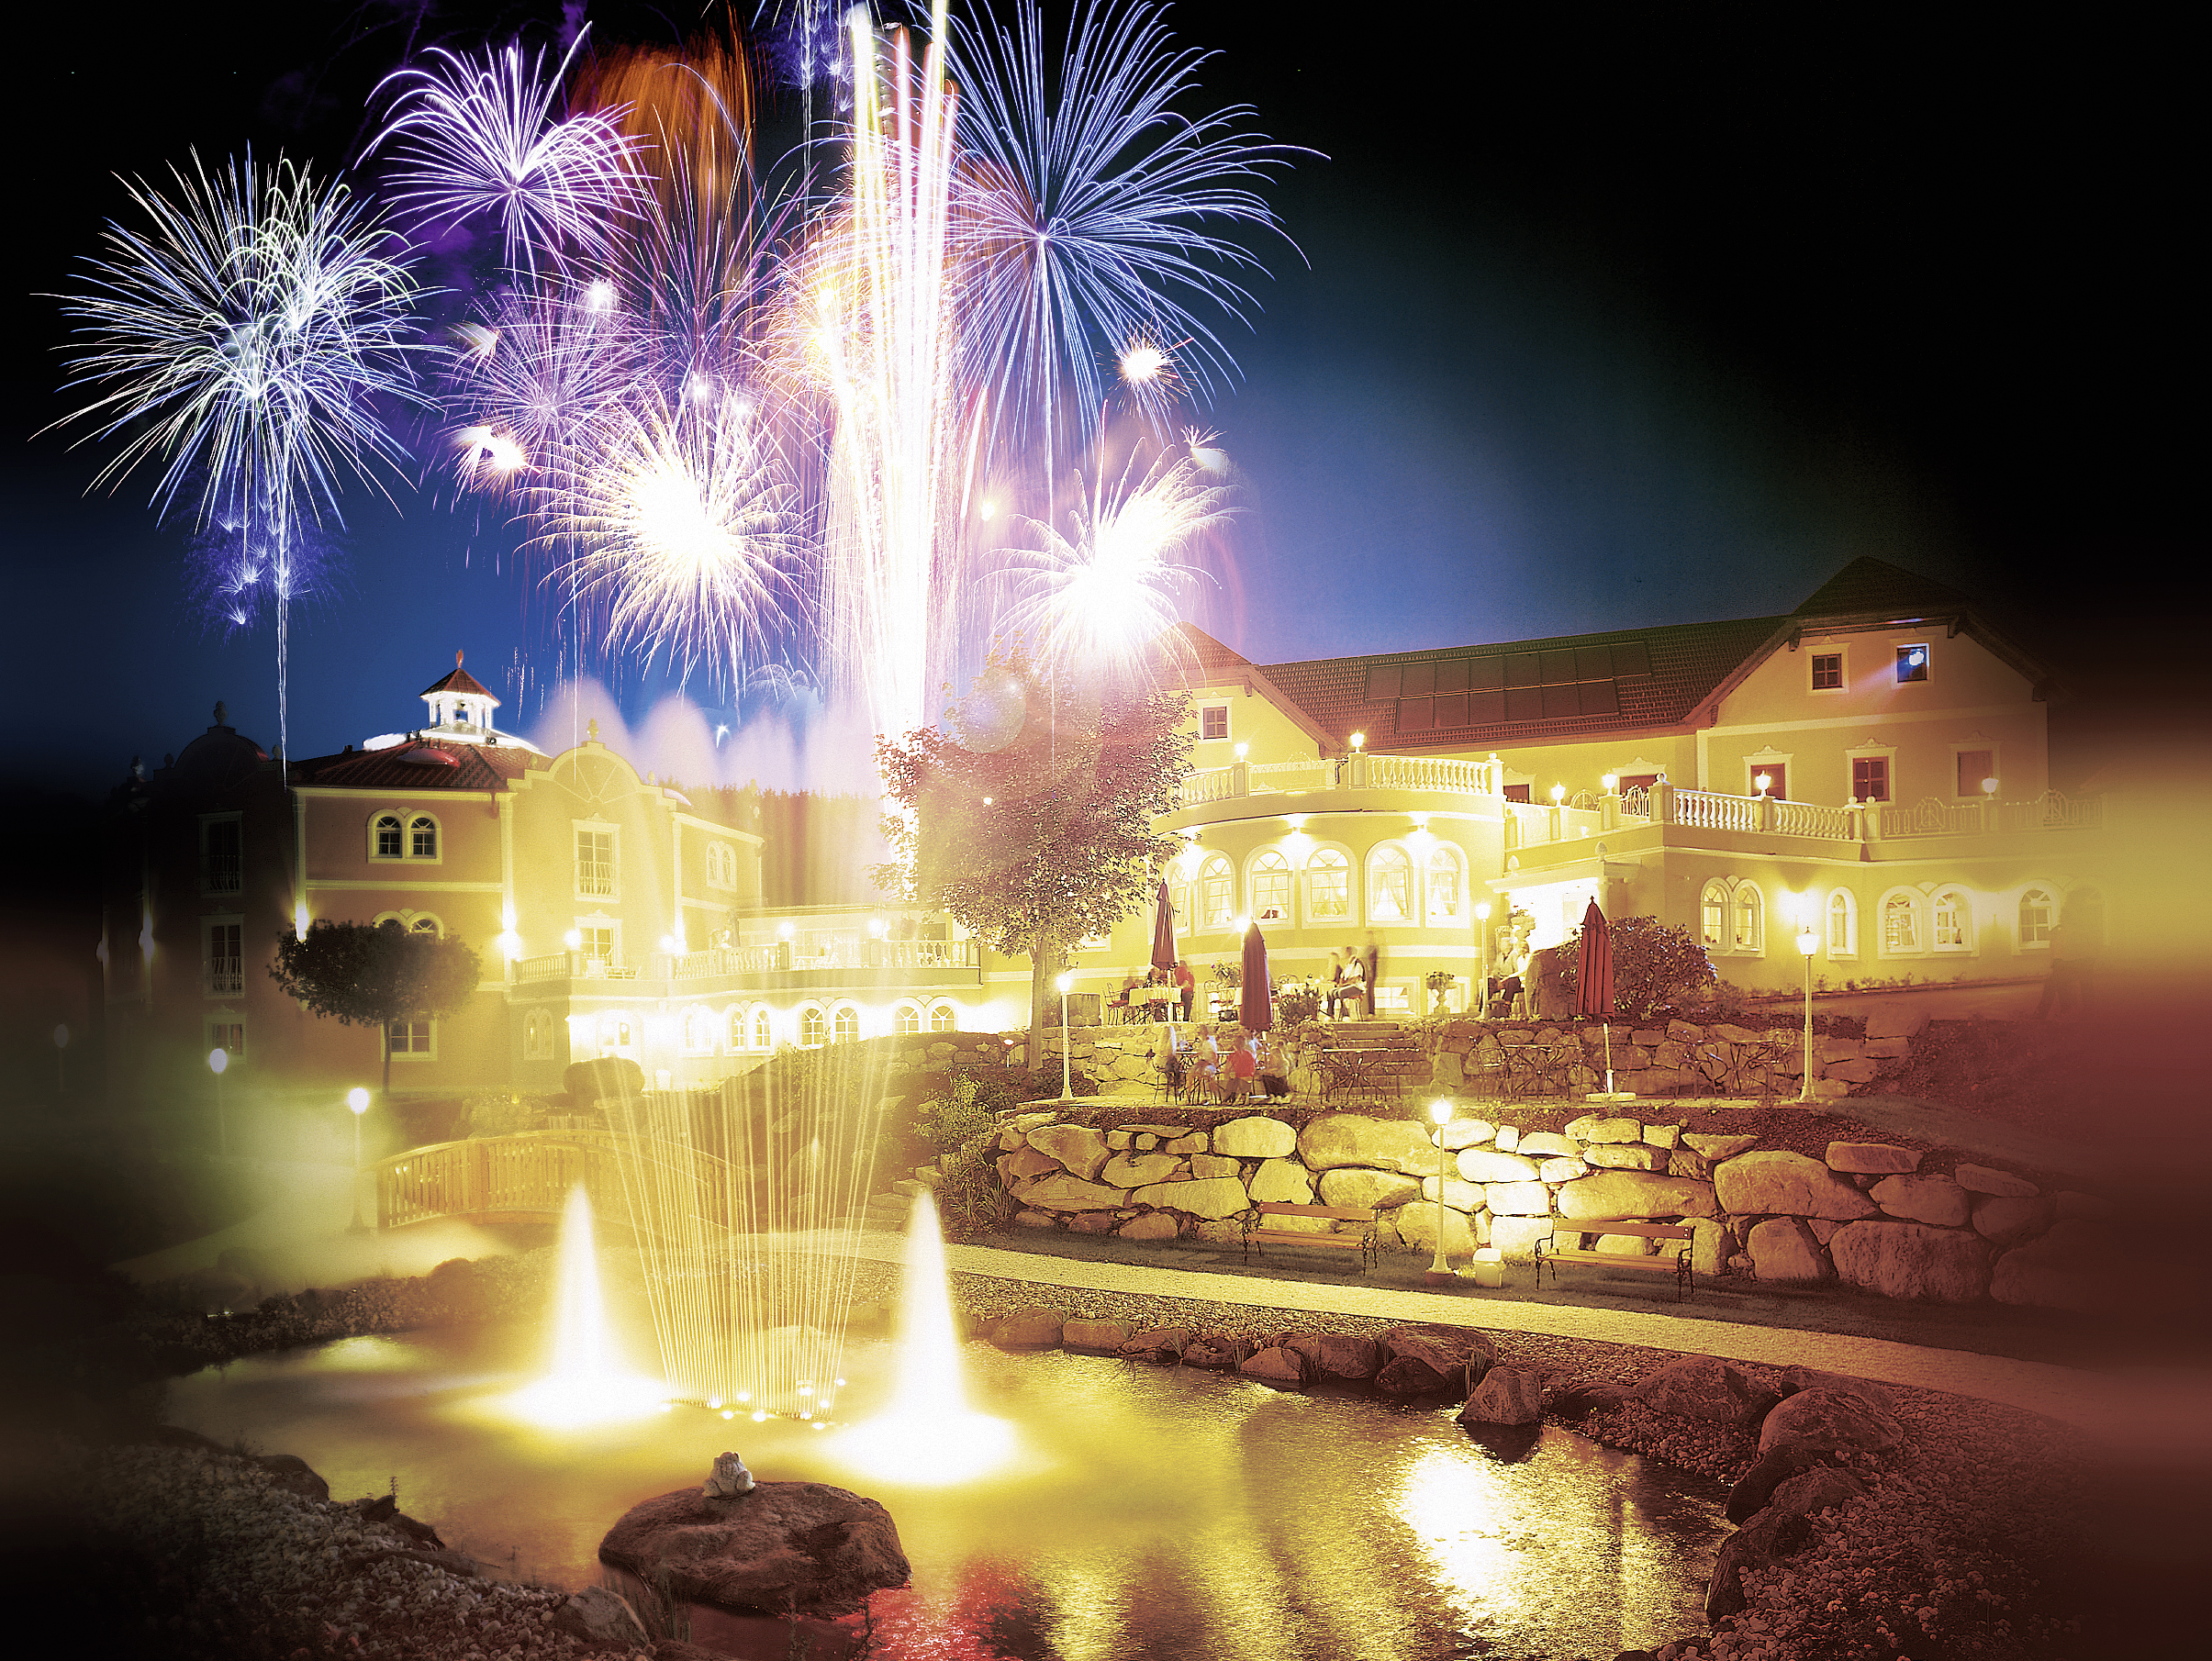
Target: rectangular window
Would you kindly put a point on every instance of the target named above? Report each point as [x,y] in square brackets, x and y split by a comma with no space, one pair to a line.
[220,862]
[1828,671]
[595,863]
[228,1035]
[1974,765]
[409,1037]
[1516,793]
[1912,663]
[597,944]
[1776,774]
[225,964]
[1871,777]
[1213,721]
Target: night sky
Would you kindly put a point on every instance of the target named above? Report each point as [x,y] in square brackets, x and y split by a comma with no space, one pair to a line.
[1602,318]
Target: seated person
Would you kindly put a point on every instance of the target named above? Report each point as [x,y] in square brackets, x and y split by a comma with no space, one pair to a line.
[1244,1064]
[1274,1070]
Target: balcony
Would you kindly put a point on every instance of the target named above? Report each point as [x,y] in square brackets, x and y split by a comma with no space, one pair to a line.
[220,873]
[594,878]
[226,977]
[823,961]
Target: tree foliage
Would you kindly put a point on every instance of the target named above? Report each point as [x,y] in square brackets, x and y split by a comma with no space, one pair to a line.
[375,974]
[1656,969]
[1047,841]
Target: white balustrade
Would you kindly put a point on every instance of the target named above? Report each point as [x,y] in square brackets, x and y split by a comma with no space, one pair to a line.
[1708,810]
[1810,819]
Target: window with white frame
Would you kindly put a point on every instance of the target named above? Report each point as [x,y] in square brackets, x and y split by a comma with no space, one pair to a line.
[906,1019]
[422,837]
[764,1031]
[1751,918]
[734,1028]
[1271,885]
[538,1036]
[1871,776]
[415,1040]
[222,855]
[388,837]
[427,924]
[227,1035]
[595,942]
[1713,916]
[1389,886]
[1843,924]
[1900,924]
[1446,890]
[1969,768]
[844,1026]
[1179,894]
[1216,893]
[223,953]
[721,866]
[813,1031]
[944,1018]
[1214,722]
[1328,886]
[698,1032]
[2037,912]
[1827,671]
[595,861]
[1912,663]
[1953,929]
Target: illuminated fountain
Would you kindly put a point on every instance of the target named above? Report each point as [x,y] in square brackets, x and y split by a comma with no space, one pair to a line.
[586,1382]
[930,1437]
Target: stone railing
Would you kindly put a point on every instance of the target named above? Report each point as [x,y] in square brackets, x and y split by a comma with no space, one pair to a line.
[1432,773]
[1208,785]
[1810,819]
[560,965]
[721,959]
[1707,810]
[1300,773]
[2053,810]
[1931,818]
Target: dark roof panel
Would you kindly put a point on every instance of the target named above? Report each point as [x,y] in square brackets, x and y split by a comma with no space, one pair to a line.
[1868,585]
[460,681]
[475,767]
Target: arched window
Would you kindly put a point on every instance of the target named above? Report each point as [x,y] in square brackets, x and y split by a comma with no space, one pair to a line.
[390,836]
[1179,896]
[537,1036]
[1954,925]
[735,1028]
[721,866]
[1216,893]
[1843,924]
[2038,911]
[813,1029]
[1328,886]
[764,1031]
[698,1032]
[1443,885]
[1713,916]
[846,1025]
[1901,924]
[1389,886]
[906,1019]
[422,837]
[1271,885]
[429,926]
[1750,919]
[944,1018]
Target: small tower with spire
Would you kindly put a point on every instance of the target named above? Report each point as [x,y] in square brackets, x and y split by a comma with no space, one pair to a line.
[461,701]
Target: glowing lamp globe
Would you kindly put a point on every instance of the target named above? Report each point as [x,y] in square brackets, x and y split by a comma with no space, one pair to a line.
[357,1098]
[1439,1111]
[1067,982]
[991,716]
[217,1061]
[1808,942]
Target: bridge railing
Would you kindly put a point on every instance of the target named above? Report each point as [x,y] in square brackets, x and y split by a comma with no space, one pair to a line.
[488,1176]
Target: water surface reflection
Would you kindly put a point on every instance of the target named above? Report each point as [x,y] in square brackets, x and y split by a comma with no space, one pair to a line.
[1187,1516]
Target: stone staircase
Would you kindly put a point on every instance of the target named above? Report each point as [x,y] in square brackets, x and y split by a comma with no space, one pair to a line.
[893,1208]
[1388,1051]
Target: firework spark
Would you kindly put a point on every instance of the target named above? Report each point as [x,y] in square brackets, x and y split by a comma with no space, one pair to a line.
[478,136]
[1087,210]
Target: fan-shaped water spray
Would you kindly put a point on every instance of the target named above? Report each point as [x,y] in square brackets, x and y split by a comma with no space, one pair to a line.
[588,1381]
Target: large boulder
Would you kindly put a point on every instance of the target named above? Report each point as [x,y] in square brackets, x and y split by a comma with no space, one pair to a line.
[1280,1365]
[1796,1378]
[1065,1192]
[1637,1194]
[1360,1187]
[1331,1140]
[1161,1346]
[1761,1542]
[1216,1196]
[2006,1221]
[1350,1356]
[1627,1156]
[1459,1196]
[1467,1132]
[1282,1182]
[1507,1395]
[1417,1226]
[1515,1238]
[1771,1181]
[1037,1328]
[1152,1225]
[1936,1200]
[1599,1127]
[1443,1347]
[786,1547]
[1982,1180]
[1717,1148]
[1094,1337]
[1706,1387]
[1024,1163]
[601,1620]
[294,1476]
[1136,1170]
[1538,1145]
[1078,1147]
[1519,1199]
[1830,1420]
[2069,1268]
[1879,1157]
[1783,1250]
[1218,1352]
[1911,1260]
[1487,1165]
[1255,1138]
[1769,1472]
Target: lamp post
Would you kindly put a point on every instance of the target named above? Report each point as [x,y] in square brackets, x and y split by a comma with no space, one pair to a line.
[61,1061]
[219,1059]
[1440,1113]
[1482,955]
[357,1098]
[1806,942]
[1066,1066]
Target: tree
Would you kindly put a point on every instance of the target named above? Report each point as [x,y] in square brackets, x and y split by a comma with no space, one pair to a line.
[373,975]
[1652,966]
[1045,839]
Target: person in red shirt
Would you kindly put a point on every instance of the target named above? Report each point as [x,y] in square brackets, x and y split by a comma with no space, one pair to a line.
[1188,982]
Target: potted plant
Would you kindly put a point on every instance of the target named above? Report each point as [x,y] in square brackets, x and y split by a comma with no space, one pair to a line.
[1438,982]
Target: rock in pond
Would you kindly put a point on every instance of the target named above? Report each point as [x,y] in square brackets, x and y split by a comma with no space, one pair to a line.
[802,1548]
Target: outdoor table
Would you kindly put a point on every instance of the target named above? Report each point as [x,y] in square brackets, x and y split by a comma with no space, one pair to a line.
[1157,1001]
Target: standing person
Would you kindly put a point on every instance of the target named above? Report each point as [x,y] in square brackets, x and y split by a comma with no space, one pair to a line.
[1335,986]
[1187,983]
[1374,968]
[1355,980]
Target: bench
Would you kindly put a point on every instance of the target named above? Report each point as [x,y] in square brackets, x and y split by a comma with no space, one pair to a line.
[1676,1265]
[1256,1229]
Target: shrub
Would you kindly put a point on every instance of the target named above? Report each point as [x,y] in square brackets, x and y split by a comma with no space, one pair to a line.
[1296,1007]
[970,1199]
[951,1121]
[499,1114]
[1657,970]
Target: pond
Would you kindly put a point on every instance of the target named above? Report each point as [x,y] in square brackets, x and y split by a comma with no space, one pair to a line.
[1170,1513]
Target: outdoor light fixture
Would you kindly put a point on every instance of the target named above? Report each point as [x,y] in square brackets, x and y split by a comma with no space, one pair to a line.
[1242,750]
[357,1099]
[219,1060]
[573,938]
[1611,781]
[782,931]
[1989,786]
[1559,794]
[1440,1113]
[1359,740]
[1297,821]
[1489,1267]
[1807,943]
[1761,782]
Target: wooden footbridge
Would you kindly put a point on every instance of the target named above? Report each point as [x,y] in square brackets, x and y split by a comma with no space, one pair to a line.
[499,1178]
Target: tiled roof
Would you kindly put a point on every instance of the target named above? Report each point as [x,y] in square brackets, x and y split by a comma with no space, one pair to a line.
[460,681]
[1680,664]
[1868,585]
[475,767]
[1210,655]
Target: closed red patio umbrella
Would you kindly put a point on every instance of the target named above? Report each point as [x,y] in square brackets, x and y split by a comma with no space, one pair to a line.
[1255,1009]
[1163,930]
[1593,978]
